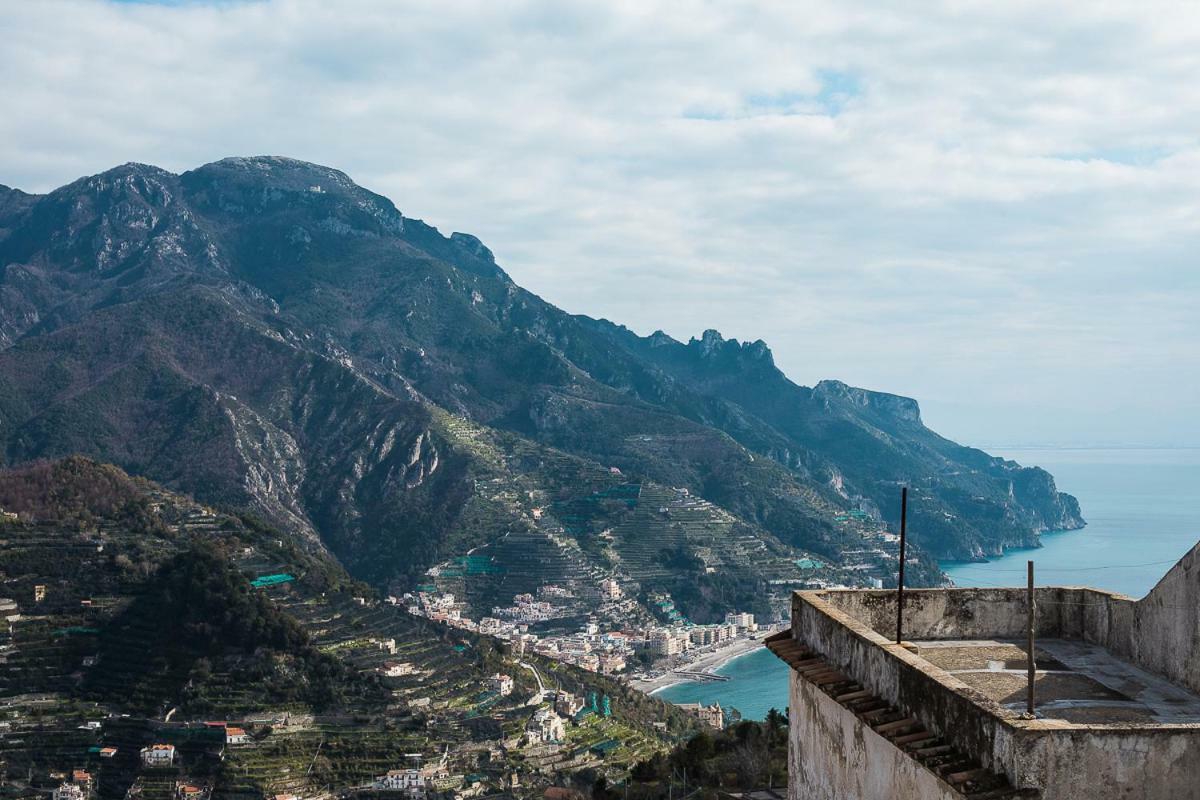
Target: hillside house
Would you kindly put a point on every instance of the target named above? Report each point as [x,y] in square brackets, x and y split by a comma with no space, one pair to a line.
[236,736]
[943,715]
[500,684]
[610,663]
[188,791]
[395,669]
[713,715]
[545,727]
[158,755]
[68,791]
[410,781]
[8,610]
[567,704]
[387,645]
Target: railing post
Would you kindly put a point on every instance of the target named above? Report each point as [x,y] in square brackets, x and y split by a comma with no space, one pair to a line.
[900,579]
[1032,666]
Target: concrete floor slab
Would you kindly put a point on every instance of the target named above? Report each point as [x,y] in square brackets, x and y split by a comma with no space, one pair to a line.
[1076,681]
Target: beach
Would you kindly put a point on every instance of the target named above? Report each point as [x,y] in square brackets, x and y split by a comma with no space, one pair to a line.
[705,662]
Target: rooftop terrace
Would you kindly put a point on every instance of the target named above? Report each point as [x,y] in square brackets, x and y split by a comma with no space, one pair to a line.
[1117,690]
[1075,682]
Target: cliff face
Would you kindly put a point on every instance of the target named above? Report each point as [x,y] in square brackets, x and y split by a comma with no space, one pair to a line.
[265,333]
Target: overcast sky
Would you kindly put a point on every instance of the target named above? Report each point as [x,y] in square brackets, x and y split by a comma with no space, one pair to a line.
[993,208]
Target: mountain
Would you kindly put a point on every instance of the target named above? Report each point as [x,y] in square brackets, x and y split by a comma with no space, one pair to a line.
[265,334]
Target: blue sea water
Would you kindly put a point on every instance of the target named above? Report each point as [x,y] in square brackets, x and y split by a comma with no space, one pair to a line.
[1142,509]
[1143,513]
[758,682]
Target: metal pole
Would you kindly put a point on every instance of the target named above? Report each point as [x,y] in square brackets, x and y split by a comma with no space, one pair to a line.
[900,580]
[1032,666]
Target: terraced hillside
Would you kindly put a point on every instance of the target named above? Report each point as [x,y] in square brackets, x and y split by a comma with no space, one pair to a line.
[139,616]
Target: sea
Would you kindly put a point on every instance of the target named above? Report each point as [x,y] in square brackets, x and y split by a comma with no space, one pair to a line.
[1142,508]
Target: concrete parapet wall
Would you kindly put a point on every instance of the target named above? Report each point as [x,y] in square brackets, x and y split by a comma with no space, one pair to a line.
[835,756]
[941,702]
[1160,633]
[1061,760]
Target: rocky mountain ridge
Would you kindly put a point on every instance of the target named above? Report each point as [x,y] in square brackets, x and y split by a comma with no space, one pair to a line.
[264,333]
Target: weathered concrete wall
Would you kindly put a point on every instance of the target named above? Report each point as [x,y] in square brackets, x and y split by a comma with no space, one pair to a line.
[834,756]
[967,718]
[1063,761]
[963,613]
[1110,764]
[1160,632]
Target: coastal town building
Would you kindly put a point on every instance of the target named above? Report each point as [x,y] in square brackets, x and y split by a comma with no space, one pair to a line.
[741,621]
[410,781]
[500,684]
[83,779]
[545,727]
[415,780]
[711,715]
[610,589]
[68,791]
[567,704]
[236,736]
[610,663]
[8,610]
[943,715]
[395,669]
[158,755]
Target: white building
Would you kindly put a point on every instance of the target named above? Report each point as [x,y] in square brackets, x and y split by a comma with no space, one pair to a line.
[712,715]
[236,736]
[500,684]
[663,642]
[611,663]
[567,704]
[158,755]
[545,727]
[741,620]
[402,780]
[68,791]
[610,589]
[395,669]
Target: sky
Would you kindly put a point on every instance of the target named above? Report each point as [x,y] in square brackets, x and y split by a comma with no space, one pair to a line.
[991,207]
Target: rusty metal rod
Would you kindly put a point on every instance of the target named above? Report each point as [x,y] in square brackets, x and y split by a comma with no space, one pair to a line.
[900,579]
[1032,666]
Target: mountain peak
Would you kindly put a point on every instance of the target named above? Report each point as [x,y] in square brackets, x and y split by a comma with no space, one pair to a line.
[473,246]
[711,343]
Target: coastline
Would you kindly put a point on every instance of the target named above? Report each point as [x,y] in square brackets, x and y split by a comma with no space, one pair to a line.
[707,663]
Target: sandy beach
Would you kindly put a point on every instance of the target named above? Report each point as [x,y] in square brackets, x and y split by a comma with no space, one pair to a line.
[706,662]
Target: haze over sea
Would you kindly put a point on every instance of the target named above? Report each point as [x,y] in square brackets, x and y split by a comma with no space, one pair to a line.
[1142,507]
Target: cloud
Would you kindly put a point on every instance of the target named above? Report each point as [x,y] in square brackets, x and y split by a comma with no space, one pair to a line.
[987,206]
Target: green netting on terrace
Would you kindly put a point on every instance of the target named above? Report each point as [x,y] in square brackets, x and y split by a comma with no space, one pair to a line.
[272,580]
[808,563]
[76,631]
[478,565]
